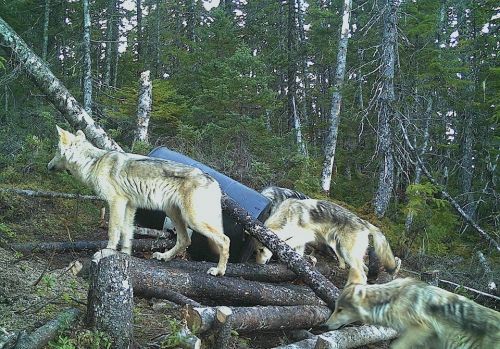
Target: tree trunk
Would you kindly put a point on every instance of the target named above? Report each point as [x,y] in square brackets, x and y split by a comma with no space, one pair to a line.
[467,164]
[269,318]
[110,27]
[43,335]
[46,19]
[274,273]
[318,283]
[386,109]
[331,139]
[110,301]
[224,318]
[138,245]
[291,60]
[87,64]
[139,31]
[423,149]
[151,276]
[143,107]
[53,88]
[298,129]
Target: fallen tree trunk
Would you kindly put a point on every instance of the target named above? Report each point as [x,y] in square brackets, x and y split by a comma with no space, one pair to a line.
[169,295]
[43,335]
[150,276]
[269,318]
[267,273]
[56,92]
[110,301]
[345,338]
[138,245]
[49,194]
[318,283]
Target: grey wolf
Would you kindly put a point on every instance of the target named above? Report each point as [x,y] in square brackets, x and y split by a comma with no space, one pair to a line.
[129,181]
[298,222]
[426,316]
[278,194]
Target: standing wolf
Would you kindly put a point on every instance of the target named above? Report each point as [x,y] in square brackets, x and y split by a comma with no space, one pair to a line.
[128,181]
[426,316]
[298,222]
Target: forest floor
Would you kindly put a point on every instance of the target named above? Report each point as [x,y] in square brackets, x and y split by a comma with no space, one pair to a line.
[35,287]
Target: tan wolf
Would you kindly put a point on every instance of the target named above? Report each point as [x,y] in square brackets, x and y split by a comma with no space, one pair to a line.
[298,222]
[129,181]
[425,316]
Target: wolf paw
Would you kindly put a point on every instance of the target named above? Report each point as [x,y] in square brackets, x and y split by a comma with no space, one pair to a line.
[313,260]
[214,271]
[160,256]
[106,252]
[398,266]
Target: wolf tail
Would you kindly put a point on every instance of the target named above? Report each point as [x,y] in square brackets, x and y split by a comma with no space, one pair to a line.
[382,253]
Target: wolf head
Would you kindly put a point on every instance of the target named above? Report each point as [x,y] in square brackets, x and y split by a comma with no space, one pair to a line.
[351,306]
[67,144]
[263,254]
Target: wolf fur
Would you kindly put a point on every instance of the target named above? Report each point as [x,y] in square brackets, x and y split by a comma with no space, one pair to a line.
[426,316]
[129,181]
[278,194]
[298,222]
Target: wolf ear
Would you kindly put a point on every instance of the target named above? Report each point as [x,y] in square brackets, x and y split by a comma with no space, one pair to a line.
[65,137]
[359,292]
[80,135]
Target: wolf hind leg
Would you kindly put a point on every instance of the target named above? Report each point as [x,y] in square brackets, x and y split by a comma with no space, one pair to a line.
[183,238]
[417,338]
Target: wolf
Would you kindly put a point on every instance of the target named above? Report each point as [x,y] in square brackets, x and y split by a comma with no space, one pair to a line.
[425,316]
[129,181]
[298,222]
[278,194]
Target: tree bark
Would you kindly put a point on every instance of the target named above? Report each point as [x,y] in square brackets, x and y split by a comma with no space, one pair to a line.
[268,318]
[151,275]
[274,273]
[87,63]
[492,287]
[54,89]
[317,282]
[331,140]
[110,300]
[345,338]
[46,20]
[224,318]
[139,31]
[386,109]
[49,194]
[298,129]
[110,35]
[43,335]
[143,107]
[291,59]
[138,245]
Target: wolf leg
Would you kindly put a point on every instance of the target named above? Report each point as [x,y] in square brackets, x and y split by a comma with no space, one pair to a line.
[117,208]
[127,232]
[417,338]
[356,272]
[183,238]
[333,244]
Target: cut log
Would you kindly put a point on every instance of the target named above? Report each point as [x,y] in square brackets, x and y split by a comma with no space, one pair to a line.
[254,272]
[110,302]
[138,245]
[150,276]
[350,337]
[354,337]
[43,335]
[224,318]
[269,318]
[318,283]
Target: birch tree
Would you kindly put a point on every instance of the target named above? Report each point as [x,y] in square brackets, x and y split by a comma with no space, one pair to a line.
[331,140]
[46,30]
[143,107]
[87,63]
[110,39]
[386,99]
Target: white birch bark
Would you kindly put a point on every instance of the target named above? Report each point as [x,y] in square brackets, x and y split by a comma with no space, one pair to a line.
[56,92]
[109,41]
[331,140]
[46,30]
[87,63]
[143,107]
[298,129]
[386,111]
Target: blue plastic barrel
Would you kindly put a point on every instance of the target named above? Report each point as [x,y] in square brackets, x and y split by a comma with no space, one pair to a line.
[255,203]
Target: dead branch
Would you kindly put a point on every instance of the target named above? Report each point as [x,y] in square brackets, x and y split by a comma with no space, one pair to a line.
[43,335]
[49,194]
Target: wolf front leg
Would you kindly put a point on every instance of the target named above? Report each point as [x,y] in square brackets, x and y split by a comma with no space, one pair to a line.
[127,232]
[117,207]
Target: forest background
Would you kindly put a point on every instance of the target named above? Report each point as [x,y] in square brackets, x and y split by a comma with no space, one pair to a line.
[256,89]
